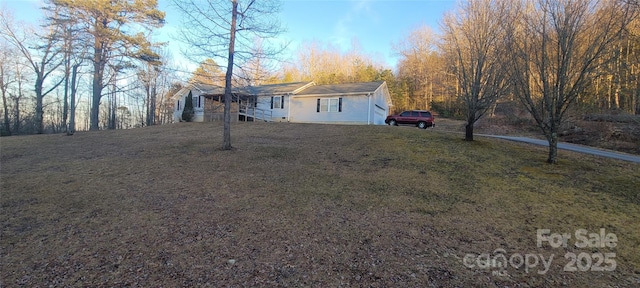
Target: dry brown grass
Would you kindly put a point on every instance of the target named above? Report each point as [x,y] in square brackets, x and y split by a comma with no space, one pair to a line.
[300,205]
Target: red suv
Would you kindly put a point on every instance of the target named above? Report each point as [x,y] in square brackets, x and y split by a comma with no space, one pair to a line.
[420,118]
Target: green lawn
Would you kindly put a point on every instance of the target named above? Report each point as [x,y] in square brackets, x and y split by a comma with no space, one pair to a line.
[304,205]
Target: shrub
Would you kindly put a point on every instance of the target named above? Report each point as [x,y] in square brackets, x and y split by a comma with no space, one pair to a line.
[187,112]
[453,110]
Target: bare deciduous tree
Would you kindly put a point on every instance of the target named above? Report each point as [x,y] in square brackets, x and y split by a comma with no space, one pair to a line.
[43,59]
[326,64]
[74,50]
[419,68]
[257,70]
[227,30]
[474,44]
[6,79]
[16,93]
[154,81]
[556,47]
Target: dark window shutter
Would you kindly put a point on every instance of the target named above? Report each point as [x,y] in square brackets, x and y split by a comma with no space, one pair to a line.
[271,102]
[282,102]
[318,106]
[178,104]
[339,104]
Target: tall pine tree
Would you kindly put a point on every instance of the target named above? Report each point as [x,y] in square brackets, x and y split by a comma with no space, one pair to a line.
[109,26]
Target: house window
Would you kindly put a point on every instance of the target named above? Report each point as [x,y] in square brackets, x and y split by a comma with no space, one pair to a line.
[196,102]
[178,108]
[329,105]
[277,102]
[324,105]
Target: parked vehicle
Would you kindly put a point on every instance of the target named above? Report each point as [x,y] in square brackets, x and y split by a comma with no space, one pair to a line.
[420,118]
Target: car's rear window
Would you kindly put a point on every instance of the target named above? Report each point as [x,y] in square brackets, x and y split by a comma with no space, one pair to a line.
[415,114]
[426,114]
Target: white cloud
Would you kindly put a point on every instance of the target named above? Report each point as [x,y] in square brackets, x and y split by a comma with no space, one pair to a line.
[359,11]
[363,7]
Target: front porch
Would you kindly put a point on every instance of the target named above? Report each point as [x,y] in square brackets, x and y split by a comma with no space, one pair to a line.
[243,108]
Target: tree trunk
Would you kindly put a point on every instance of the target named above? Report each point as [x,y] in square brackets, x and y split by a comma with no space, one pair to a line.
[98,70]
[471,119]
[113,104]
[553,148]
[152,105]
[636,98]
[39,107]
[147,90]
[72,100]
[151,102]
[16,125]
[65,108]
[227,89]
[468,131]
[95,102]
[5,106]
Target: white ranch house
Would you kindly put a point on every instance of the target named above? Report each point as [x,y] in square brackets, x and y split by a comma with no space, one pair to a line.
[301,102]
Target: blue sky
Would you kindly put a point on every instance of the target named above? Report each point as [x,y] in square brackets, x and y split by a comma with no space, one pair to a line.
[375,24]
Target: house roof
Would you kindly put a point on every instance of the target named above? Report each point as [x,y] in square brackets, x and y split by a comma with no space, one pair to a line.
[270,89]
[206,88]
[299,89]
[342,89]
[275,89]
[202,88]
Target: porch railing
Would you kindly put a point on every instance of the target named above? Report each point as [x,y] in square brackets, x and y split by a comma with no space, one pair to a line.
[247,111]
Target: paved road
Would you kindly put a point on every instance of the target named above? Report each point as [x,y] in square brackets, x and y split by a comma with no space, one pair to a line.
[572,147]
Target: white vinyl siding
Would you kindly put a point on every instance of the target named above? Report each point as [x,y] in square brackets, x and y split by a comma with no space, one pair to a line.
[268,104]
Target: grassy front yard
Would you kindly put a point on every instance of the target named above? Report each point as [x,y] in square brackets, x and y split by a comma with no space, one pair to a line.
[305,205]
